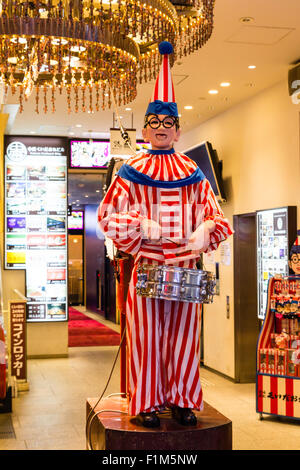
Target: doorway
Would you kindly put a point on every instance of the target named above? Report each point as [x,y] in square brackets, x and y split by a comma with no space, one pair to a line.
[75,264]
[91,276]
[246,322]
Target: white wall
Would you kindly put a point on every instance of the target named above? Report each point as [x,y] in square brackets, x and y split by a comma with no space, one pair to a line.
[258,141]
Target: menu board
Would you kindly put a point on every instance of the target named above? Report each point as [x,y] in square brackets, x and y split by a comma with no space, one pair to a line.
[272,251]
[36,222]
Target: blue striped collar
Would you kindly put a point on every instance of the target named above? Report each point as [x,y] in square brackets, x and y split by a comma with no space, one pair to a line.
[161,152]
[135,176]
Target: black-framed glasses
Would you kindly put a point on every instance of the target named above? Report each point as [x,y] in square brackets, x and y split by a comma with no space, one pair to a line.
[154,122]
[295,259]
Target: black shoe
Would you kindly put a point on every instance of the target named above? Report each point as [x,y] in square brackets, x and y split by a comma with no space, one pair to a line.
[184,416]
[149,420]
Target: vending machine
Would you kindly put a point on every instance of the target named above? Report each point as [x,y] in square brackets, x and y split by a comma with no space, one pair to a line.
[278,346]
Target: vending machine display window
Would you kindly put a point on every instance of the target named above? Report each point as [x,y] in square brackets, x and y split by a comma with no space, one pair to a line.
[276,232]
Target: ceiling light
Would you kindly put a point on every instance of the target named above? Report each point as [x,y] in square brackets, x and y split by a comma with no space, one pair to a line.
[78,125]
[77,48]
[71,58]
[127,109]
[97,190]
[86,195]
[251,66]
[12,60]
[188,107]
[225,84]
[58,41]
[213,92]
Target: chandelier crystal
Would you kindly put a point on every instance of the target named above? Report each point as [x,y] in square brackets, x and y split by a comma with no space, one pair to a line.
[93,48]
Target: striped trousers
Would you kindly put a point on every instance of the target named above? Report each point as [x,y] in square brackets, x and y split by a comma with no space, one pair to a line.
[163,351]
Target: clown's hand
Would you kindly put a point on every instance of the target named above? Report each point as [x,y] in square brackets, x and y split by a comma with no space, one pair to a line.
[151,230]
[200,238]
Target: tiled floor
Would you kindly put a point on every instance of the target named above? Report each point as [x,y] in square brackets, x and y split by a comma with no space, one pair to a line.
[51,415]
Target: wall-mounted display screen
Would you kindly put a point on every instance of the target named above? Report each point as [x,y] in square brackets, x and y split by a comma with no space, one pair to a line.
[36,222]
[89,153]
[95,153]
[75,220]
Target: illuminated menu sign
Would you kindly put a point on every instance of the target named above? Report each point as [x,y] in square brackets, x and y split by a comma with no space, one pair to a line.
[36,222]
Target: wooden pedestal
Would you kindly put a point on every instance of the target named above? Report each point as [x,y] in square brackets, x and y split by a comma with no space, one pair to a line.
[116,430]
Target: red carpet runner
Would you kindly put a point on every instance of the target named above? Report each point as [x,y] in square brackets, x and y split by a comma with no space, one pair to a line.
[83,331]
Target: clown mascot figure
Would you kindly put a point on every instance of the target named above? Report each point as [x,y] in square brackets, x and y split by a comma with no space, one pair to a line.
[294,262]
[161,209]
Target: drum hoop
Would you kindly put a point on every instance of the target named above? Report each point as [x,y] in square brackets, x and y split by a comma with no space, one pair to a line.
[146,267]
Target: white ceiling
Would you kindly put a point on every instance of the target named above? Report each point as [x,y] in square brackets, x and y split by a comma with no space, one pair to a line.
[271,42]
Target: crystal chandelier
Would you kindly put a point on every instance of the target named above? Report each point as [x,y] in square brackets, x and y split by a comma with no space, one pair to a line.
[91,49]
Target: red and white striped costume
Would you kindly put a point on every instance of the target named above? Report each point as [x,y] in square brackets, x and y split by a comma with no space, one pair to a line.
[162,336]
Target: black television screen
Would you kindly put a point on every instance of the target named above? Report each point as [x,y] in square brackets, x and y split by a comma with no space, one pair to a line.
[207,160]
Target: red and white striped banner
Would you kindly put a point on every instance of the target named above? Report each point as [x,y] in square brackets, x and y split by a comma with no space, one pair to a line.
[278,395]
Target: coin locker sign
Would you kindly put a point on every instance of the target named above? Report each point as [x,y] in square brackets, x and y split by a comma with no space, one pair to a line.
[36,222]
[18,339]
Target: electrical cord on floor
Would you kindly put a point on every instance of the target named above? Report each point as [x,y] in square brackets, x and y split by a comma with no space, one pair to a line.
[89,419]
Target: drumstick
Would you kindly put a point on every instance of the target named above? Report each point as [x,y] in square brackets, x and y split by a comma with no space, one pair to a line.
[168,239]
[172,241]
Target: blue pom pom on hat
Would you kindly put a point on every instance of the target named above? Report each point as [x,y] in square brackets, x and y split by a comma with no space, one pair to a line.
[163,97]
[165,47]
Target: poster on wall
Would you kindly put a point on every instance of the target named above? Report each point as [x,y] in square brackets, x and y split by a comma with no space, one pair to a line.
[276,230]
[36,222]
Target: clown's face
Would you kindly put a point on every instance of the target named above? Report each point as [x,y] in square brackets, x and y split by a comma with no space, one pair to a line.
[294,263]
[161,135]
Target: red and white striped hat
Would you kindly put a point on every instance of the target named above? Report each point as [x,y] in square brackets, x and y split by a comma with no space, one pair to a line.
[163,97]
[296,246]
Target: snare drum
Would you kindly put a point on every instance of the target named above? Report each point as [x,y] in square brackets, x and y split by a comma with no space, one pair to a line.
[174,283]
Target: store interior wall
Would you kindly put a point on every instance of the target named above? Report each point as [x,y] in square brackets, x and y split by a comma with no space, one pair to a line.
[258,142]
